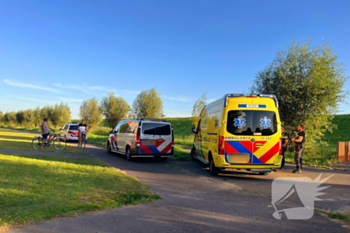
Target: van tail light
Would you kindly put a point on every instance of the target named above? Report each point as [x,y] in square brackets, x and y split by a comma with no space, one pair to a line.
[221,145]
[280,149]
[137,139]
[173,140]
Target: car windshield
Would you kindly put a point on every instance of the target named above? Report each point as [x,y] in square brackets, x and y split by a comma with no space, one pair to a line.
[73,127]
[250,123]
[156,129]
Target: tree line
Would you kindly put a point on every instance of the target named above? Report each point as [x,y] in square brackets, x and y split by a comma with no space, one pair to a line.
[112,109]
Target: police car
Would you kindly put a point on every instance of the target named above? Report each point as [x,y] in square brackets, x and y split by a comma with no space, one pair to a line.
[70,131]
[142,138]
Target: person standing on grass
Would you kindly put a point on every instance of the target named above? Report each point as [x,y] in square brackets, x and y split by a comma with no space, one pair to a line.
[299,149]
[82,130]
[45,132]
[284,146]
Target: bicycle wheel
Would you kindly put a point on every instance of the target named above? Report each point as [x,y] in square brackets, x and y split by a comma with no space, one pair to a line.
[60,143]
[83,142]
[36,143]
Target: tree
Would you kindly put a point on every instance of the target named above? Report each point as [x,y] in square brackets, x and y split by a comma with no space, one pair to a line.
[37,116]
[197,108]
[47,112]
[148,104]
[114,109]
[91,111]
[60,114]
[308,83]
[10,118]
[28,117]
[20,117]
[1,117]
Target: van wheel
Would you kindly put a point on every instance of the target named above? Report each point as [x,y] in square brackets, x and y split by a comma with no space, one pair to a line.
[128,154]
[109,148]
[193,154]
[213,170]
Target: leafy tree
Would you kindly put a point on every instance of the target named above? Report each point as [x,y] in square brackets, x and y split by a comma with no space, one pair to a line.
[60,114]
[47,112]
[37,116]
[10,118]
[197,108]
[28,117]
[114,109]
[1,117]
[148,104]
[20,117]
[308,83]
[91,111]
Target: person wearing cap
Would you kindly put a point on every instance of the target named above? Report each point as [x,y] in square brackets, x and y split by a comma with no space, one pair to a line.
[299,149]
[45,131]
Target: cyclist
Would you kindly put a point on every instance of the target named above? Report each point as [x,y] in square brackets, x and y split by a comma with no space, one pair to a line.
[82,128]
[45,131]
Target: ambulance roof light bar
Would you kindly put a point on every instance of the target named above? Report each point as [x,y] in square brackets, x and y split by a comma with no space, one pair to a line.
[270,96]
[231,95]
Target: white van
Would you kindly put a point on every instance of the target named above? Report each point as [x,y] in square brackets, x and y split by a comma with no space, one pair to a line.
[142,138]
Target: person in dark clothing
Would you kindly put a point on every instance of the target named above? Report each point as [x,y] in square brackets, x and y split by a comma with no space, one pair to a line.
[284,146]
[299,149]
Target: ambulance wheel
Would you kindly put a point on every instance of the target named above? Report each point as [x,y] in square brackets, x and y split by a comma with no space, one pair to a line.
[213,170]
[128,154]
[109,148]
[193,154]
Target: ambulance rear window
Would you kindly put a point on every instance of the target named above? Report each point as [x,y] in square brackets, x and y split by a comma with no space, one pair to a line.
[250,123]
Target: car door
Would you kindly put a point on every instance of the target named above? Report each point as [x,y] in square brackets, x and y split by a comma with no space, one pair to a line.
[122,136]
[163,137]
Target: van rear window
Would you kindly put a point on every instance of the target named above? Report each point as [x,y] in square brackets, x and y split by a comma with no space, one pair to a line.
[156,129]
[73,127]
[250,123]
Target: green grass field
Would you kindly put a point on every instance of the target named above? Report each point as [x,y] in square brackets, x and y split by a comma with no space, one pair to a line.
[16,140]
[36,188]
[319,156]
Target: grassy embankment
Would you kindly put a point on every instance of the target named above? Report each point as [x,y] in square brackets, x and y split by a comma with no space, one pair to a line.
[320,156]
[15,140]
[36,188]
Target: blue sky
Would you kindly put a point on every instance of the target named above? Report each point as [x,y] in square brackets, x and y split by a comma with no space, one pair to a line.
[52,51]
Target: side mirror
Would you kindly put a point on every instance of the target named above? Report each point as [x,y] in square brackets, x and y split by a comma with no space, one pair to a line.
[112,131]
[194,130]
[60,129]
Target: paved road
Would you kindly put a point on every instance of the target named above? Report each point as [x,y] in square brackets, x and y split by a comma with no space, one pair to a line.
[194,201]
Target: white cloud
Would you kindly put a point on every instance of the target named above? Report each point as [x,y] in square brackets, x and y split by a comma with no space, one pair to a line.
[27,85]
[180,98]
[70,100]
[85,88]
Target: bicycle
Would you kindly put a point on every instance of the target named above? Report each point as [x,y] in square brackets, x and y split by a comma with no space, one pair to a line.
[58,142]
[83,140]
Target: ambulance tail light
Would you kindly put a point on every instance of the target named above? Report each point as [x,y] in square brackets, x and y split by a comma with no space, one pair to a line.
[137,138]
[280,148]
[221,145]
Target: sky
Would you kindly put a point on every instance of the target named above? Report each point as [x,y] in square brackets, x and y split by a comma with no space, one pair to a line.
[70,51]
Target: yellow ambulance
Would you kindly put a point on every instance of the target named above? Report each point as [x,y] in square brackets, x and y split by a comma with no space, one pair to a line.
[239,132]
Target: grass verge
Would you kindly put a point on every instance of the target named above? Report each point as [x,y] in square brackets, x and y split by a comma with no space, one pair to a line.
[335,215]
[15,140]
[35,188]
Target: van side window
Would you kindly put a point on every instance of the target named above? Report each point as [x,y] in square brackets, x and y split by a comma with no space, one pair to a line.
[132,127]
[123,128]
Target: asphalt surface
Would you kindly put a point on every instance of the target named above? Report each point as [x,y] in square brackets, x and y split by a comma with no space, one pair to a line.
[195,201]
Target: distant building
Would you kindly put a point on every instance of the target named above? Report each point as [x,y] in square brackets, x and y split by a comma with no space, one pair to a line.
[131,116]
[163,116]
